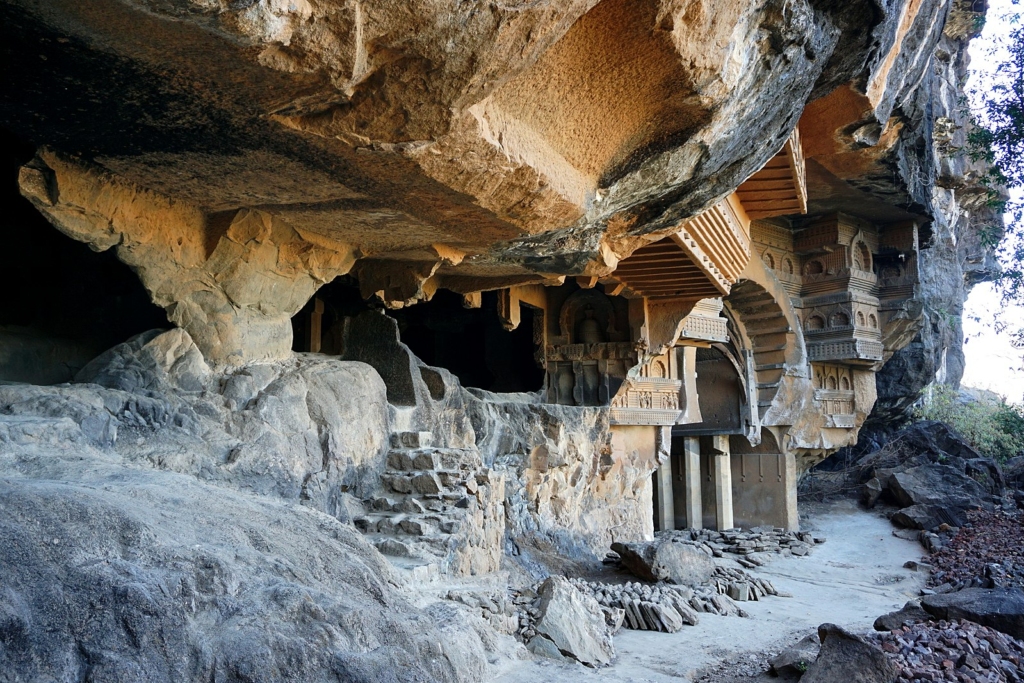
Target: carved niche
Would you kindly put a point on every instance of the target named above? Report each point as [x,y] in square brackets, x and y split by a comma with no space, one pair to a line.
[589,362]
[833,389]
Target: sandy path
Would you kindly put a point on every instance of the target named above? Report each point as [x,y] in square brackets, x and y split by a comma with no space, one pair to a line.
[854,577]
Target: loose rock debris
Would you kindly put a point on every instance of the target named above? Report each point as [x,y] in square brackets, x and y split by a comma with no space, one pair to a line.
[987,552]
[659,607]
[952,651]
[748,544]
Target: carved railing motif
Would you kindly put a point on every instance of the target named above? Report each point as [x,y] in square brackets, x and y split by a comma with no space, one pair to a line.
[647,401]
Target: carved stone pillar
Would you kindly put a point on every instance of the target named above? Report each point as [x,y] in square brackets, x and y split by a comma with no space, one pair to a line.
[723,481]
[666,499]
[691,469]
[790,476]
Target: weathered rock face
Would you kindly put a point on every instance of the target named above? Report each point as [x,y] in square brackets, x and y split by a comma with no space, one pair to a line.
[314,430]
[963,231]
[570,493]
[125,573]
[469,148]
[232,280]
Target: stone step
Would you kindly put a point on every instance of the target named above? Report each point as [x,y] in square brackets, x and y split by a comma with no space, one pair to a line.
[411,439]
[425,483]
[406,460]
[398,525]
[393,547]
[433,459]
[401,503]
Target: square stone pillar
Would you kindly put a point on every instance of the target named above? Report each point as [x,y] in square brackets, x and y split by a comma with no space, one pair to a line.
[666,497]
[691,470]
[790,480]
[723,481]
[314,335]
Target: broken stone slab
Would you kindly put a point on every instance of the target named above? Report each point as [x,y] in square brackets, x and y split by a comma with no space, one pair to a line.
[574,622]
[542,646]
[910,613]
[614,617]
[998,608]
[848,658]
[677,563]
[795,660]
[739,591]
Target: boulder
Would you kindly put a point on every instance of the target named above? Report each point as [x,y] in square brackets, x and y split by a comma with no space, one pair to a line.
[665,560]
[998,608]
[848,658]
[942,486]
[872,491]
[928,517]
[573,622]
[795,660]
[910,613]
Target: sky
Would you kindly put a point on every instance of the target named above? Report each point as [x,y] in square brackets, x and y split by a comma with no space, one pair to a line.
[992,361]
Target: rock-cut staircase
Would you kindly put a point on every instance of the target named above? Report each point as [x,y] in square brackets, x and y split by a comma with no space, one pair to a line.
[437,505]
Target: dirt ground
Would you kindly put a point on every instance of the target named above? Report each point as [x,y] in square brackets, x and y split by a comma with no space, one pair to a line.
[856,576]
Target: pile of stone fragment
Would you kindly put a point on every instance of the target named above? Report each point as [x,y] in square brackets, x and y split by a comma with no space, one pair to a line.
[987,552]
[662,607]
[746,545]
[952,651]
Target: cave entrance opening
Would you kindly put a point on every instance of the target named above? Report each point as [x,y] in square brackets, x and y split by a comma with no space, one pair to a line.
[64,303]
[471,343]
[320,326]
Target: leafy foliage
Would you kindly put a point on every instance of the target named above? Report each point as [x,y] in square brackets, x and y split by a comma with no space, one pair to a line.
[997,138]
[995,429]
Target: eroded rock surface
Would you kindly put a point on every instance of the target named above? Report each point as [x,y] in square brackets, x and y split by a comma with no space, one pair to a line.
[122,573]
